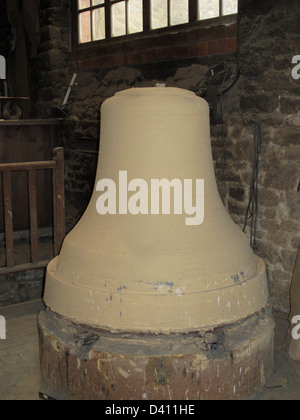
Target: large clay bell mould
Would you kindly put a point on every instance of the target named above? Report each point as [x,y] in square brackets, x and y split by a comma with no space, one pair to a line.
[147,272]
[156,274]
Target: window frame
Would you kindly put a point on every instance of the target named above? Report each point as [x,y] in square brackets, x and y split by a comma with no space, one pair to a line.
[147,30]
[199,38]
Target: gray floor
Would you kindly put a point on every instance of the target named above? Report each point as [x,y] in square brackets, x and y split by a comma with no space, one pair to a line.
[19,353]
[19,359]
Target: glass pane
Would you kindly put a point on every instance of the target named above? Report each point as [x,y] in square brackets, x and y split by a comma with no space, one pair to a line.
[179,12]
[83,4]
[98,24]
[135,16]
[118,15]
[96,2]
[85,27]
[208,9]
[230,7]
[159,13]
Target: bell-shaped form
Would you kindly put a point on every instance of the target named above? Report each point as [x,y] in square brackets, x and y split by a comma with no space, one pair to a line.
[156,250]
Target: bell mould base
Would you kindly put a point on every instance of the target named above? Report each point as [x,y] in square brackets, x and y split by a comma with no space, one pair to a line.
[228,363]
[129,310]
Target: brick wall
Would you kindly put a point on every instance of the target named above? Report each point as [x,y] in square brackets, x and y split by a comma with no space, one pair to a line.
[168,45]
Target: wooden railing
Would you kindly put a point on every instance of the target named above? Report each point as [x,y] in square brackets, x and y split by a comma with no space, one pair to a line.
[59,230]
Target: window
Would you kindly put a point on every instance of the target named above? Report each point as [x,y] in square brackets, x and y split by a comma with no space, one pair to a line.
[104,19]
[168,13]
[101,19]
[208,9]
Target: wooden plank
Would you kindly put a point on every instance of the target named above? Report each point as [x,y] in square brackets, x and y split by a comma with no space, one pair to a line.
[14,98]
[295,288]
[8,219]
[24,267]
[58,200]
[146,15]
[107,19]
[33,122]
[193,10]
[26,166]
[32,187]
[1,204]
[55,215]
[294,345]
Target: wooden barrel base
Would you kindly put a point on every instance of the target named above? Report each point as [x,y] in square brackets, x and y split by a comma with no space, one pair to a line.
[228,363]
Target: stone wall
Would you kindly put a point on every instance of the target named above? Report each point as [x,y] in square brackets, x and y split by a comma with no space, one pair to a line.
[269,38]
[21,287]
[52,66]
[83,127]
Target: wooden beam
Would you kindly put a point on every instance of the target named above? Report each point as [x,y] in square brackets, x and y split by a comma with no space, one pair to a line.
[26,166]
[146,15]
[58,200]
[32,187]
[24,267]
[8,219]
[107,19]
[193,10]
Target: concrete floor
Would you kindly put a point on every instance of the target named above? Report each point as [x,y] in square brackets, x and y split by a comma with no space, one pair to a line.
[19,359]
[19,353]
